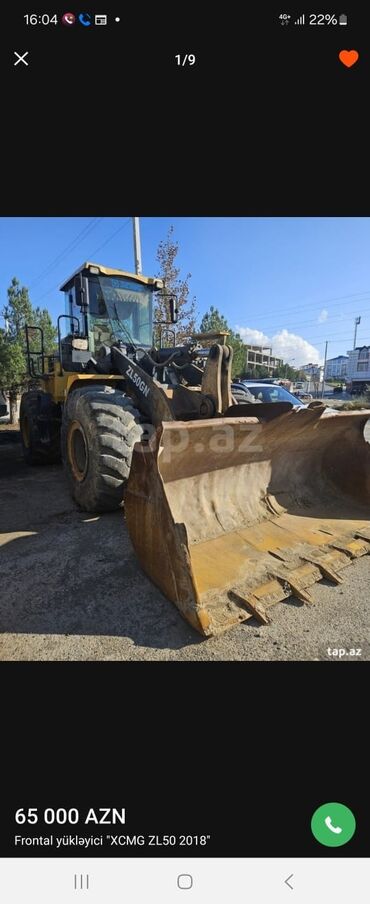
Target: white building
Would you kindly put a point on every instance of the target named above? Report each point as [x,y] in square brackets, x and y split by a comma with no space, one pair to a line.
[312,370]
[336,368]
[358,368]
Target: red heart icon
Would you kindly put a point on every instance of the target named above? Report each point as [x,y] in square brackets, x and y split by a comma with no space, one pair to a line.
[348,57]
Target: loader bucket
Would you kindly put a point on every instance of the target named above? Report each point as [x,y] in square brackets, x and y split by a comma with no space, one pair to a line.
[229,516]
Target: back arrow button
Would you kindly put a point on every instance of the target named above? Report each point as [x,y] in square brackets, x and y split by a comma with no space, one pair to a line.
[286,881]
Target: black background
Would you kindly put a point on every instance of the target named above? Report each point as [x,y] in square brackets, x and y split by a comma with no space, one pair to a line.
[219,748]
[268,123]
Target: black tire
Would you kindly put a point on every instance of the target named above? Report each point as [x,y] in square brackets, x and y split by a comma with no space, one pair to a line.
[39,421]
[99,430]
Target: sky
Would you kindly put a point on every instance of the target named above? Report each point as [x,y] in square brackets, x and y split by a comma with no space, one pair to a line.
[289,282]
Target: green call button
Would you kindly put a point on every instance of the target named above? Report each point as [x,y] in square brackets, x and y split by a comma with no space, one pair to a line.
[333,824]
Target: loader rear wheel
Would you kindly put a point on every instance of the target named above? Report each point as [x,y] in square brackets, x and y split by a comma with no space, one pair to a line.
[99,430]
[39,420]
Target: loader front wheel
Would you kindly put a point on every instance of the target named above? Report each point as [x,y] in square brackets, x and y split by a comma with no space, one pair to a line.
[99,430]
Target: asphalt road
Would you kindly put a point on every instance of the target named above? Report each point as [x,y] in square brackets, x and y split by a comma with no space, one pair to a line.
[72,589]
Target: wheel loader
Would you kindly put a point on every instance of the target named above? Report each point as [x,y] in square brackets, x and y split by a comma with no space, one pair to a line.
[231,506]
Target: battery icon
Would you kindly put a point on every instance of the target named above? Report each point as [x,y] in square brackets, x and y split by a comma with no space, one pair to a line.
[343,20]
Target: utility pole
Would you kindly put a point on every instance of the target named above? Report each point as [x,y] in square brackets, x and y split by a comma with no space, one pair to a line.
[137,245]
[357,322]
[323,376]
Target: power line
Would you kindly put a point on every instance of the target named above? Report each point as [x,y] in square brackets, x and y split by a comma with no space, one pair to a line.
[280,311]
[302,323]
[317,338]
[89,256]
[314,339]
[297,325]
[82,235]
[110,237]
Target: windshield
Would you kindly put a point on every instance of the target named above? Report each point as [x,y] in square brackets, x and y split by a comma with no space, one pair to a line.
[272,393]
[119,309]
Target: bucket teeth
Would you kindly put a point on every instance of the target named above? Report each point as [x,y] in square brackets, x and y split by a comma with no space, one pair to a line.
[326,571]
[294,583]
[252,605]
[289,557]
[353,548]
[300,593]
[230,516]
[363,535]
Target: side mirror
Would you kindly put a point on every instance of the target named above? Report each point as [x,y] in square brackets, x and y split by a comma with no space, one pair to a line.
[82,292]
[173,309]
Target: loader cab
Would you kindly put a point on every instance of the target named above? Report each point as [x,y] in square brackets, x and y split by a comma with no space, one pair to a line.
[110,305]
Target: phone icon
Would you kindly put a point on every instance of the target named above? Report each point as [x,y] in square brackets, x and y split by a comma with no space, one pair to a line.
[329,824]
[341,824]
[68,19]
[85,18]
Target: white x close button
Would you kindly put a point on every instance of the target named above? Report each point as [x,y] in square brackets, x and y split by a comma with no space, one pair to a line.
[21,57]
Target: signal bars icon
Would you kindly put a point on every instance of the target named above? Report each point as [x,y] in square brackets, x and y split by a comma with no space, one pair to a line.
[300,21]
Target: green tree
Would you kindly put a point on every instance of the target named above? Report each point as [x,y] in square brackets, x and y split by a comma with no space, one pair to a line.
[257,372]
[16,313]
[18,309]
[286,372]
[11,362]
[41,317]
[167,252]
[239,351]
[13,366]
[214,320]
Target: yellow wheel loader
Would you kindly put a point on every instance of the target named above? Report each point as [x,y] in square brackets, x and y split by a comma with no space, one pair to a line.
[231,506]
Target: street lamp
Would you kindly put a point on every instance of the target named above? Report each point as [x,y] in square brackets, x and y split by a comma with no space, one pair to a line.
[137,244]
[357,322]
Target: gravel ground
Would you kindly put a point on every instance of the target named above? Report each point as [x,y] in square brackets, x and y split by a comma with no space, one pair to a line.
[71,589]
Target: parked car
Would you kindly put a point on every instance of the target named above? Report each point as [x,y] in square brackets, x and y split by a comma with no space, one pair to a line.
[266,392]
[241,393]
[301,394]
[3,405]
